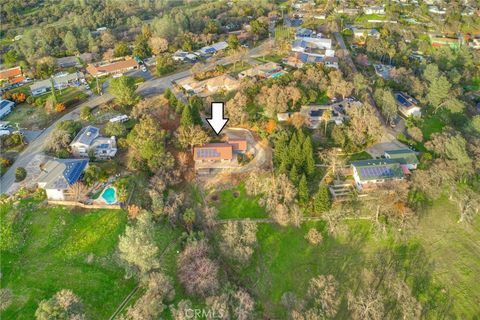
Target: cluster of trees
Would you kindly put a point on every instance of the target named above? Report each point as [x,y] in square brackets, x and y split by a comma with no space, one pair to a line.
[63,305]
[453,170]
[59,139]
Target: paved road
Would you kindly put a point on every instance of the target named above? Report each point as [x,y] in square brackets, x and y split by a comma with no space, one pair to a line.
[147,88]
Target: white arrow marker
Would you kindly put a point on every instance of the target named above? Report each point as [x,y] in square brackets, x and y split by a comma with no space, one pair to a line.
[218,120]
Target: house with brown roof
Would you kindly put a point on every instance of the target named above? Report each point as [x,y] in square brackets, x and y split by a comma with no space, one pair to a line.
[207,87]
[117,67]
[223,151]
[213,152]
[12,76]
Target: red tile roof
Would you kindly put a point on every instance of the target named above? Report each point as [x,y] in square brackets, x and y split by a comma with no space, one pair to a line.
[17,80]
[10,73]
[238,144]
[113,67]
[213,151]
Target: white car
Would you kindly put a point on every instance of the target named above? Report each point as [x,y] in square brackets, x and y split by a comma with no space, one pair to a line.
[4,133]
[143,68]
[122,118]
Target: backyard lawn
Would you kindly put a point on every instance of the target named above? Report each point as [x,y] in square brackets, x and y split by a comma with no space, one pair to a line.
[235,203]
[57,248]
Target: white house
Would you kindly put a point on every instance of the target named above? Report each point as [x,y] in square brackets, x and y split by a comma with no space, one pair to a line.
[368,173]
[374,10]
[58,175]
[407,105]
[88,141]
[304,43]
[6,107]
[60,81]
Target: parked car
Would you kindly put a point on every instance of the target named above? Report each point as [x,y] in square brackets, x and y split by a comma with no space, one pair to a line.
[121,118]
[143,68]
[4,133]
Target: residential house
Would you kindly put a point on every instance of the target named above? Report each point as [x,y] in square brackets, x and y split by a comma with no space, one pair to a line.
[315,114]
[369,173]
[308,43]
[214,48]
[407,105]
[383,70]
[68,62]
[223,82]
[113,68]
[347,11]
[6,106]
[220,152]
[60,81]
[283,116]
[58,175]
[180,55]
[213,152]
[374,10]
[405,157]
[262,71]
[304,33]
[207,87]
[435,10]
[89,142]
[298,60]
[12,76]
[453,43]
[365,33]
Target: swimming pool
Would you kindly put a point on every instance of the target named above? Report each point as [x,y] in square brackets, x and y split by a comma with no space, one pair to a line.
[277,74]
[109,195]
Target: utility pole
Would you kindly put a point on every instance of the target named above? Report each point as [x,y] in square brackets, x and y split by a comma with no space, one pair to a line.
[98,89]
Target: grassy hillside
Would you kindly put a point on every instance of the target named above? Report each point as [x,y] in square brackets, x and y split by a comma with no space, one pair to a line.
[59,248]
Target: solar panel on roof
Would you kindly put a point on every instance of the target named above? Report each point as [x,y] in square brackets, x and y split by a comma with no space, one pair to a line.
[207,153]
[73,170]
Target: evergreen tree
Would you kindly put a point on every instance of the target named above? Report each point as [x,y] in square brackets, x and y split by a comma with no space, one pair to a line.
[300,136]
[179,106]
[187,117]
[168,93]
[197,119]
[282,168]
[294,174]
[322,201]
[309,159]
[303,190]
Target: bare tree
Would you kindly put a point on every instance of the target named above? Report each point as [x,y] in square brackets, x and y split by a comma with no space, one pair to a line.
[78,191]
[314,237]
[239,239]
[324,292]
[197,272]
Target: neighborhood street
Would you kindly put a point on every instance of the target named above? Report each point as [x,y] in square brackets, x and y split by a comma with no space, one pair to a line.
[147,88]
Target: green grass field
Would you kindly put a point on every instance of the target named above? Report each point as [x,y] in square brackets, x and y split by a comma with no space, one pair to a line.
[32,117]
[53,254]
[455,250]
[440,261]
[235,203]
[431,125]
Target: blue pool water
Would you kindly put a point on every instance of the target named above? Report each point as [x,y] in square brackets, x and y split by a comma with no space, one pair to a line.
[277,74]
[109,195]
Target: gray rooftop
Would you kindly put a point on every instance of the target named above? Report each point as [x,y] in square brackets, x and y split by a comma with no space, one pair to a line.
[86,135]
